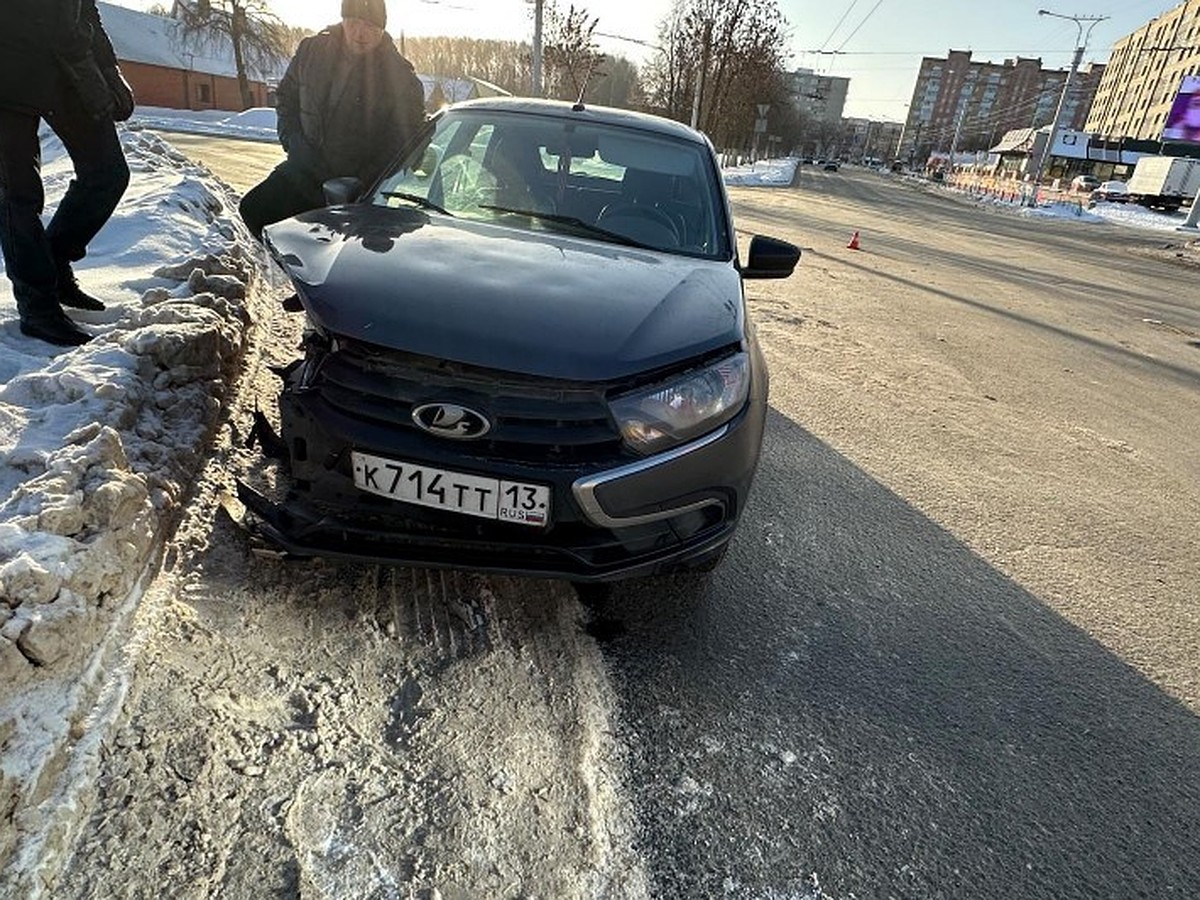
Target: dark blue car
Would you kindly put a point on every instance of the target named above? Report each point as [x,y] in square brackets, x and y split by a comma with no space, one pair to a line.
[528,351]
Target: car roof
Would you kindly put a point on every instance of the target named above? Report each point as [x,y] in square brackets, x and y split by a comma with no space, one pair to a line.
[600,115]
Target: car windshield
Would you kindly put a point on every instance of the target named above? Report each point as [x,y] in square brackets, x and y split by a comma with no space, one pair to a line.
[543,172]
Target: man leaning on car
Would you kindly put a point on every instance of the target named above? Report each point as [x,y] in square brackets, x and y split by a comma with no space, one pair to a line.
[346,105]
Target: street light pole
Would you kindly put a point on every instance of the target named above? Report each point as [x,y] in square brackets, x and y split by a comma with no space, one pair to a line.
[1080,46]
[962,115]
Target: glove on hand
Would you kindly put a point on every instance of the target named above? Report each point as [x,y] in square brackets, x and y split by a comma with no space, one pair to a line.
[122,94]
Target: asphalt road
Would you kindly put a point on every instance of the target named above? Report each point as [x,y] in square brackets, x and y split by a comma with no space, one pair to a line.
[955,650]
[241,164]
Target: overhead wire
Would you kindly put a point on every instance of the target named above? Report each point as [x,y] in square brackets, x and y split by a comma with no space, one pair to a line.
[864,21]
[849,9]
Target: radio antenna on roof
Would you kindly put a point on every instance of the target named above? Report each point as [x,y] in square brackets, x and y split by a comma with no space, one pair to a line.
[587,80]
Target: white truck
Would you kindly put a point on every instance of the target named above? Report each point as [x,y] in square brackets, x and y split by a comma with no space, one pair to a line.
[1165,182]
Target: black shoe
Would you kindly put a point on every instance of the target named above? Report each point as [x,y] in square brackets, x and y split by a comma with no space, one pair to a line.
[54,329]
[72,295]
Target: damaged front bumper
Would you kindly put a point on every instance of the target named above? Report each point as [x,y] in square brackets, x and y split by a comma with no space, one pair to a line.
[650,517]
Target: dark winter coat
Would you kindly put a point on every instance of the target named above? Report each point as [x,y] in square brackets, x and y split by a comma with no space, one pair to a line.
[48,47]
[341,115]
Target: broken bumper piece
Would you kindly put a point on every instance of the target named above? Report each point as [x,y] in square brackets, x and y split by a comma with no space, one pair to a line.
[293,529]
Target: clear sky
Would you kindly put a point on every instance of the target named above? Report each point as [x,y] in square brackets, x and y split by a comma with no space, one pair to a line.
[878,44]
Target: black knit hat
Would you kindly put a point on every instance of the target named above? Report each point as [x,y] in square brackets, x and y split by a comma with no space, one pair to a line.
[373,11]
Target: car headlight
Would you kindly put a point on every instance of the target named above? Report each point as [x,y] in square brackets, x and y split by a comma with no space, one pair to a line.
[655,418]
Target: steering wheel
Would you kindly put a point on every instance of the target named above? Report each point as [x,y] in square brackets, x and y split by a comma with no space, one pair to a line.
[643,223]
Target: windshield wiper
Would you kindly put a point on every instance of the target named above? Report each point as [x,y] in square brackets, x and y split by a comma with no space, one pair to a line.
[423,202]
[574,222]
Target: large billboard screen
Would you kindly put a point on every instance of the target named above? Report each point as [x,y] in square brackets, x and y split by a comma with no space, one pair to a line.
[1183,121]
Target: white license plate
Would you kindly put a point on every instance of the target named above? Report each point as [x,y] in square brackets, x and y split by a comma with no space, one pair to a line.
[487,498]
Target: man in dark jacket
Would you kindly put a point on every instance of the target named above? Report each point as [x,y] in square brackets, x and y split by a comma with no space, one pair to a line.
[346,105]
[57,64]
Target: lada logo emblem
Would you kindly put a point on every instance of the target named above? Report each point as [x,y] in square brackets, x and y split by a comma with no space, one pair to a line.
[449,420]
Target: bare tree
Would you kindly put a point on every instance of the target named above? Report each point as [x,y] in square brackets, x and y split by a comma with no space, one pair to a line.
[670,76]
[260,41]
[720,58]
[502,63]
[620,85]
[571,57]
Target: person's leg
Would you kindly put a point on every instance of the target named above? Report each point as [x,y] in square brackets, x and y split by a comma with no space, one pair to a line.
[28,261]
[101,176]
[284,193]
[27,257]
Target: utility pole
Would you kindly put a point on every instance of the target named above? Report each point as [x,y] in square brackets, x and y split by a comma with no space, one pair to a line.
[536,67]
[1080,46]
[701,75]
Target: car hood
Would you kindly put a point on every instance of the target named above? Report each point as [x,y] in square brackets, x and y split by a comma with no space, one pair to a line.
[539,303]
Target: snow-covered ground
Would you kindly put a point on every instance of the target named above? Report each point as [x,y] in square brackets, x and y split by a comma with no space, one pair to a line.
[1127,215]
[764,173]
[99,444]
[253,125]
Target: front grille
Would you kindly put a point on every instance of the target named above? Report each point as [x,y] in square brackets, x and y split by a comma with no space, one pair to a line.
[533,419]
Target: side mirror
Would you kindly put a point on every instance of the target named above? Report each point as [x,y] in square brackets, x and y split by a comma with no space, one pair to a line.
[770,258]
[341,190]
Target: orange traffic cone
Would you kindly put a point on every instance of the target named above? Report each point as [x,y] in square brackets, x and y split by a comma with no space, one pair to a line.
[853,245]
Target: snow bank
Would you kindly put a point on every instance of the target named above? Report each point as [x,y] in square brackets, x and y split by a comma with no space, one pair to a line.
[98,445]
[256,124]
[764,173]
[1128,215]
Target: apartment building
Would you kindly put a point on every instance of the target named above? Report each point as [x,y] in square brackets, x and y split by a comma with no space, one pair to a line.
[971,105]
[821,98]
[1144,75]
[864,139]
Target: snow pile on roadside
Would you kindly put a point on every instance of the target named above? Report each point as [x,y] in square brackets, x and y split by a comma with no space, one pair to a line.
[256,124]
[98,444]
[1059,209]
[1134,216]
[1127,215]
[764,173]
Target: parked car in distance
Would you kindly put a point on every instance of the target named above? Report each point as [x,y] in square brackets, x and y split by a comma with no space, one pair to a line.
[831,165]
[1111,192]
[1084,183]
[528,351]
